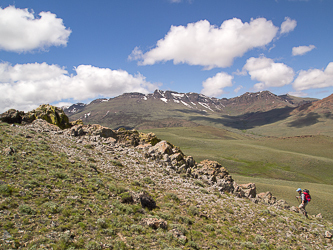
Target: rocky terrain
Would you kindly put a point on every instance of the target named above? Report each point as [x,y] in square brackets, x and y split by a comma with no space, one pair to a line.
[91,187]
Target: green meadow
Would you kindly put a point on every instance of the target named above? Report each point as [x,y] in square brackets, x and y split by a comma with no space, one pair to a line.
[279,165]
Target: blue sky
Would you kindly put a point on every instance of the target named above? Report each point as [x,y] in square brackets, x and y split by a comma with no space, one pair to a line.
[63,52]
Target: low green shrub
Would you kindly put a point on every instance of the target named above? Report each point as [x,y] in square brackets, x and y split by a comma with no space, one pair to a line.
[199,183]
[6,190]
[148,181]
[26,209]
[52,207]
[171,196]
[192,210]
[116,163]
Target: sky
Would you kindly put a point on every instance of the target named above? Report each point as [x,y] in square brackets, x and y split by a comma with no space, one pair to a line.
[62,52]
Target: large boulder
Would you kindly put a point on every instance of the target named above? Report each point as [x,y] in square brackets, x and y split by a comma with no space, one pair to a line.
[127,137]
[267,197]
[213,173]
[154,223]
[225,185]
[163,147]
[49,113]
[12,116]
[144,199]
[212,170]
[190,162]
[249,189]
[149,138]
[98,130]
[147,201]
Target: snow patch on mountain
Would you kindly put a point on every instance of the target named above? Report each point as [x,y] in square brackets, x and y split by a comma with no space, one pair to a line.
[186,104]
[164,100]
[176,95]
[206,106]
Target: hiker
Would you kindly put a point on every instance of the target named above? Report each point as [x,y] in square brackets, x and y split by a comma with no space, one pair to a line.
[304,196]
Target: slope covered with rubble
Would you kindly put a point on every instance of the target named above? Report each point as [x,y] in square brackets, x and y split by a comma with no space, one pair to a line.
[90,187]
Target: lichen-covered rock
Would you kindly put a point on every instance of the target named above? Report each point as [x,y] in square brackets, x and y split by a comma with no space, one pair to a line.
[149,138]
[12,116]
[77,122]
[51,114]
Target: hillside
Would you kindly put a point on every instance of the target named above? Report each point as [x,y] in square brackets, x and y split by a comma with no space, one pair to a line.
[275,164]
[95,188]
[135,110]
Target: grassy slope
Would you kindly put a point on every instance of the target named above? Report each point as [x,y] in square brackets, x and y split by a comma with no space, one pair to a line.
[59,194]
[297,125]
[279,164]
[321,194]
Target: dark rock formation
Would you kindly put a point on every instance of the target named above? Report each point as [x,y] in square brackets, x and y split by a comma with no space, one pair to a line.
[46,112]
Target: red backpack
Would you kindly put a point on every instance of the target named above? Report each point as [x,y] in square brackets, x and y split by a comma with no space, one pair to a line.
[307,195]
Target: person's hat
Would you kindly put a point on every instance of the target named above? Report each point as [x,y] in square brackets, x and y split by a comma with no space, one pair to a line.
[298,189]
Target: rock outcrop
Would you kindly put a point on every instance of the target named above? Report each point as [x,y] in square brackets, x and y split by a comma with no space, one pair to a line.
[49,113]
[154,223]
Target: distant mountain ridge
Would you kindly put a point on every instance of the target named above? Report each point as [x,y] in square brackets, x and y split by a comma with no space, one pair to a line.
[170,108]
[192,100]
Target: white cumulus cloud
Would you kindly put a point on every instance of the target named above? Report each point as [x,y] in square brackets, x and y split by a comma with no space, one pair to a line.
[288,25]
[268,73]
[204,44]
[25,86]
[213,86]
[301,50]
[20,31]
[314,78]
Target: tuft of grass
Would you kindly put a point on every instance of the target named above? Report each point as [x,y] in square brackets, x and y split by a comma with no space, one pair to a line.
[148,180]
[116,163]
[171,196]
[6,190]
[26,209]
[199,183]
